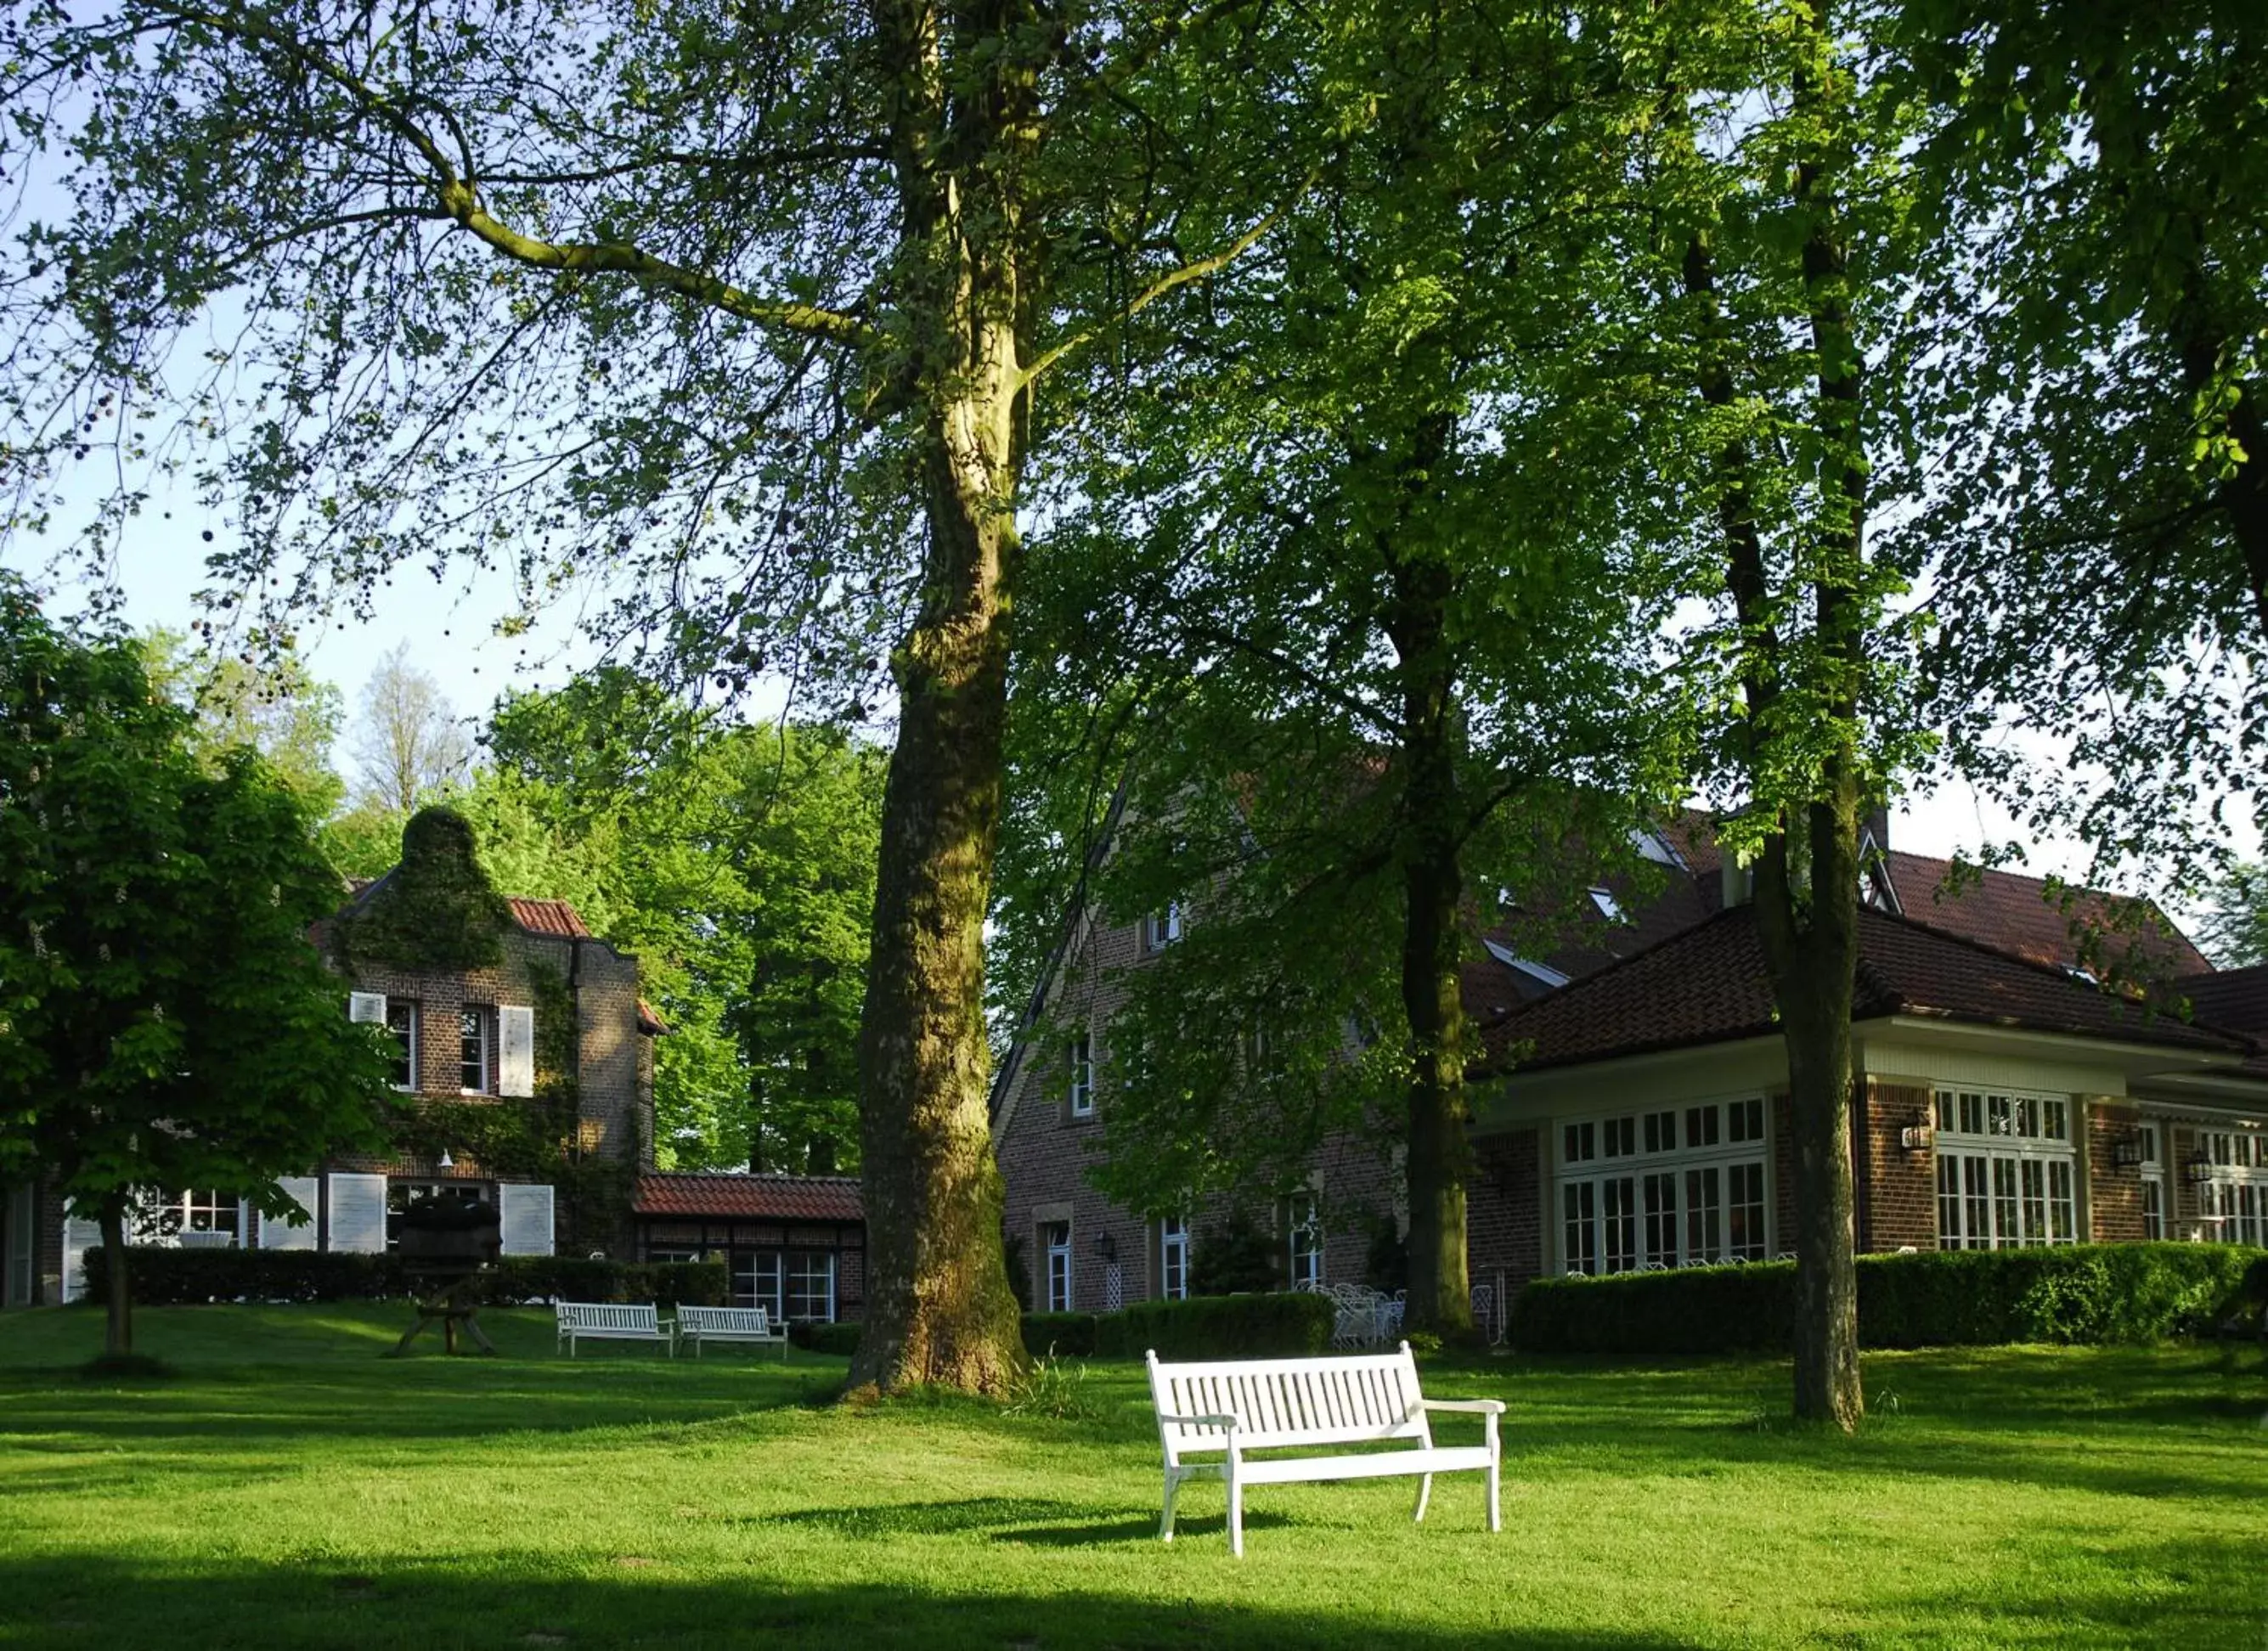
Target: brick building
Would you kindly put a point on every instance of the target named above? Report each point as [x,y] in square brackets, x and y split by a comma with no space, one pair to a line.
[1632,1112]
[539,1057]
[795,1244]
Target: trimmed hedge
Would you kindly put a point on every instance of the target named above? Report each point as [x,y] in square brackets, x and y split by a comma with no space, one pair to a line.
[1202,1327]
[840,1338]
[2071,1293]
[166,1277]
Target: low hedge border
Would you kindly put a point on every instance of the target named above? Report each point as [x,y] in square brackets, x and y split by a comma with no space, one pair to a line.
[1202,1327]
[166,1277]
[2068,1294]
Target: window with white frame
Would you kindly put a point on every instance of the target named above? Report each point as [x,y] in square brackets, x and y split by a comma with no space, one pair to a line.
[810,1286]
[199,1209]
[1675,1187]
[473,1022]
[401,1022]
[2235,1202]
[1055,1241]
[1161,928]
[2154,1202]
[1082,1076]
[1174,1258]
[1303,1225]
[2007,1170]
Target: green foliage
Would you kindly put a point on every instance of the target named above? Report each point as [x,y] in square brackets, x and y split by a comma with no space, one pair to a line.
[2234,930]
[738,864]
[273,705]
[438,912]
[837,1340]
[1237,1255]
[163,1020]
[164,1276]
[1282,1324]
[1052,1389]
[2082,1294]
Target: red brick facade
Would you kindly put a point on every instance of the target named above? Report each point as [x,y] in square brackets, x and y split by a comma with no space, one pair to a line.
[2114,1192]
[1897,1186]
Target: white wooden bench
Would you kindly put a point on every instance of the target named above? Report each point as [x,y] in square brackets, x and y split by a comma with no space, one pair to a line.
[1227,1410]
[611,1321]
[697,1325]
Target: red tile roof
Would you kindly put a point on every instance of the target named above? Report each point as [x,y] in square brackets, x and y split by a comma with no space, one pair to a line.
[1709,985]
[2010,912]
[547,917]
[2236,999]
[751,1197]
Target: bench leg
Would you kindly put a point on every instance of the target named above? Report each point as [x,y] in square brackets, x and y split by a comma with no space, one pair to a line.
[1166,1520]
[1496,1519]
[1425,1495]
[1235,1516]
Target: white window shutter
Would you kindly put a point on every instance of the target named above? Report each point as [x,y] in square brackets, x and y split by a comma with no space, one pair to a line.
[278,1234]
[366,1006]
[358,1214]
[526,1216]
[516,1052]
[79,1236]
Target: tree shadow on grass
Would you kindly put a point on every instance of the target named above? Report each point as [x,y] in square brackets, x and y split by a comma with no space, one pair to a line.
[100,1602]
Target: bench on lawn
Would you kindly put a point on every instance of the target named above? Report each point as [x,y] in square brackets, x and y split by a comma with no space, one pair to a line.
[697,1325]
[611,1321]
[1227,1410]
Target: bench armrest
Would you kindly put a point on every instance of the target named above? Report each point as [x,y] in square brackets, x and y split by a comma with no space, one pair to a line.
[1478,1406]
[1229,1422]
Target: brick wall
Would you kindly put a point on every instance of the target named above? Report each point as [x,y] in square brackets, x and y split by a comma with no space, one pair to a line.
[2114,1194]
[1505,1209]
[1044,1152]
[1898,1191]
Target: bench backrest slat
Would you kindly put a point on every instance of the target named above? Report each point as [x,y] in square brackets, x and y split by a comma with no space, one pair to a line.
[606,1315]
[754,1321]
[1283,1402]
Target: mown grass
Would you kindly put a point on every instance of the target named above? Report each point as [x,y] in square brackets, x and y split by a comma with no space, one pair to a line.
[288,1486]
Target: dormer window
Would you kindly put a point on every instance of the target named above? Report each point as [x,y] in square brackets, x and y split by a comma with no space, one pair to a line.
[1608,906]
[1542,973]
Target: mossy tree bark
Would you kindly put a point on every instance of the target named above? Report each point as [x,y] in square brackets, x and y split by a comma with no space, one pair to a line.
[940,1308]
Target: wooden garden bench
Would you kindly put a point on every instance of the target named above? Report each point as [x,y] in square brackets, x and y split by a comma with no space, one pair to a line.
[611,1321]
[1228,1410]
[697,1325]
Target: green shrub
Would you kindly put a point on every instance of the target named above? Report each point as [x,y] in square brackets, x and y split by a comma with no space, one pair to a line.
[166,1277]
[1065,1335]
[1218,1327]
[2071,1294]
[840,1340]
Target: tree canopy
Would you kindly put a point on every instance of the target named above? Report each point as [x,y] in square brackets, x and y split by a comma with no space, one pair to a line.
[165,1022]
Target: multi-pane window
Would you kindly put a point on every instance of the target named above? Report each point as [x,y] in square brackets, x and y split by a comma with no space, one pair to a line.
[2007,1170]
[1082,1076]
[400,1194]
[1161,928]
[2234,1203]
[1303,1224]
[1055,1241]
[788,1284]
[201,1209]
[474,1023]
[2153,1182]
[1676,1187]
[402,1021]
[1174,1258]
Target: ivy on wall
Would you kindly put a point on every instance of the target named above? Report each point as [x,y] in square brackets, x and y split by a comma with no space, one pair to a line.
[437,911]
[539,1138]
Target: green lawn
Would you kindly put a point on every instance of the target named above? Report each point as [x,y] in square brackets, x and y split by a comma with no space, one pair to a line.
[291,1488]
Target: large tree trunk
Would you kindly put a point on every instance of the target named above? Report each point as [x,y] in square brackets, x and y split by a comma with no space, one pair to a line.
[118,1327]
[1812,944]
[939,1306]
[1431,826]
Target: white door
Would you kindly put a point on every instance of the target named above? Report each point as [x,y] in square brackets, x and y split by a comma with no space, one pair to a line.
[524,1216]
[276,1233]
[358,1214]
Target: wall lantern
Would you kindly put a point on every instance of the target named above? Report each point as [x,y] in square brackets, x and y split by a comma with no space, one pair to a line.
[1106,1246]
[2200,1169]
[1918,1136]
[2126,1150]
[446,1162]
